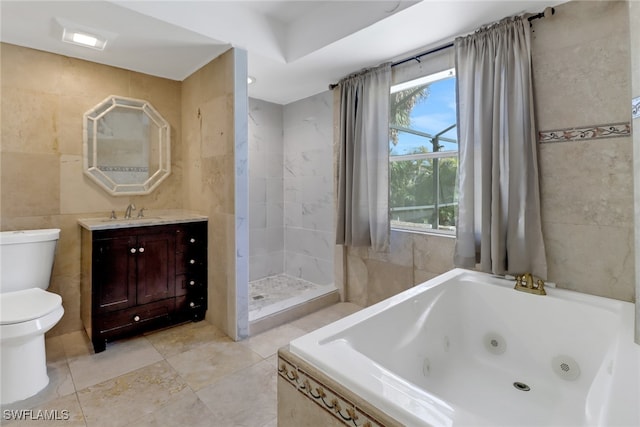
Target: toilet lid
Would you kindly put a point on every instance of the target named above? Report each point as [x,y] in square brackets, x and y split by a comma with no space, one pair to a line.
[22,306]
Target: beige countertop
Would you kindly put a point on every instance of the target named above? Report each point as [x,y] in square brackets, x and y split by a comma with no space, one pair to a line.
[151,217]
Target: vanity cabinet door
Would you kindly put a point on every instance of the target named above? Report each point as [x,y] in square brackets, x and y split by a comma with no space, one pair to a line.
[114,274]
[156,264]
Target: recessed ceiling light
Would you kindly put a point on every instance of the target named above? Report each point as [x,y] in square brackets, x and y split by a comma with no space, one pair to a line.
[251,79]
[84,39]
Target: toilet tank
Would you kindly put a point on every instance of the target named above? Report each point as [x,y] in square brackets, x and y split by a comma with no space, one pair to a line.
[26,258]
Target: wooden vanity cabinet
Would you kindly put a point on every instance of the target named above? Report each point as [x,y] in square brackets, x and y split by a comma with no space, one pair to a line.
[142,278]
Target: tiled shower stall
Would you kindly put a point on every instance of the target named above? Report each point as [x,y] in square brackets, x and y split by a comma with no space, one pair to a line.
[291,210]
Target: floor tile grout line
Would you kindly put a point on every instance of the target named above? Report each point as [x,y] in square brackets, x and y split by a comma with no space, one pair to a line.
[73,347]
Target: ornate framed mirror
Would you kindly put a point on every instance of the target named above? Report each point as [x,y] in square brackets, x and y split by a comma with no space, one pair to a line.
[126,146]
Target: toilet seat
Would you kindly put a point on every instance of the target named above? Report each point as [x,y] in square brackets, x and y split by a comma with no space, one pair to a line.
[29,304]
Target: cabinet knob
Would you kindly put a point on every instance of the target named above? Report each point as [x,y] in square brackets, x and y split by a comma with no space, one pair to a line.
[192,240]
[192,261]
[141,249]
[136,318]
[133,250]
[192,304]
[193,282]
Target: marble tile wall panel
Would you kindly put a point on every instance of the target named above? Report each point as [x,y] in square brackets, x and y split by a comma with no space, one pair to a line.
[241,209]
[266,265]
[308,188]
[313,243]
[266,193]
[309,268]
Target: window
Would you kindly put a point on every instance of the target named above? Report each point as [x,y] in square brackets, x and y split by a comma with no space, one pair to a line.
[423,154]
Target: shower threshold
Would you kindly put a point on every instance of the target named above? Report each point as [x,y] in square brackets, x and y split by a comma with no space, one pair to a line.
[281,292]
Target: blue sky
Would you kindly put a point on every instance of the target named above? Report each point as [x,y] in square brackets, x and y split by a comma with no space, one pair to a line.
[432,116]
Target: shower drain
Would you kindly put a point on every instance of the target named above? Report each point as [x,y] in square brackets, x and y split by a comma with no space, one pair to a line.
[521,386]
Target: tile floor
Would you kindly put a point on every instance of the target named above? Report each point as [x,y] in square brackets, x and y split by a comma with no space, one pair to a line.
[189,375]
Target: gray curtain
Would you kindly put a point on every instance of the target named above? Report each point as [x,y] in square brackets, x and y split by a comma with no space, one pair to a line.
[363,168]
[499,226]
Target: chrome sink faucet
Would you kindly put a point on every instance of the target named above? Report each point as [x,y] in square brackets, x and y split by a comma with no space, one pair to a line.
[130,208]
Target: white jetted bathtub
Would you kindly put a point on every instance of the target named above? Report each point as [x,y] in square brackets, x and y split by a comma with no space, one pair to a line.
[466,349]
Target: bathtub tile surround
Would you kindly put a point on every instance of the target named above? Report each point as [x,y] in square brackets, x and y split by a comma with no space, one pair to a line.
[299,384]
[413,258]
[143,381]
[581,65]
[581,58]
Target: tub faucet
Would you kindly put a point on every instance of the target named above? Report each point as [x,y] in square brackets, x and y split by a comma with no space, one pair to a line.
[525,283]
[130,208]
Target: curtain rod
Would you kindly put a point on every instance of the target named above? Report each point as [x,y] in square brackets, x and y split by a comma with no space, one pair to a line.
[549,11]
[420,55]
[546,13]
[414,57]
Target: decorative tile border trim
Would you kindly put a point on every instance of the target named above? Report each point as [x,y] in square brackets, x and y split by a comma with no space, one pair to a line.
[635,108]
[585,133]
[324,396]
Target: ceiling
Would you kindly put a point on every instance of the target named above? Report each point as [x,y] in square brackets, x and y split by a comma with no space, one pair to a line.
[295,48]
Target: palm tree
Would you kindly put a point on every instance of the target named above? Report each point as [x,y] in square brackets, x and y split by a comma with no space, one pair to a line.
[401,104]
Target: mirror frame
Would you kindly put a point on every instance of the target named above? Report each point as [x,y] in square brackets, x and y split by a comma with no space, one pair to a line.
[91,140]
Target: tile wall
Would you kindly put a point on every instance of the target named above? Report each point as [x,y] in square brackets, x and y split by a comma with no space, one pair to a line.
[291,189]
[216,181]
[308,189]
[581,63]
[44,97]
[266,190]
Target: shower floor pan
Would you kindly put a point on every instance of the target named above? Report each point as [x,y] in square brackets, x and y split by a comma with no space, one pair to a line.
[275,296]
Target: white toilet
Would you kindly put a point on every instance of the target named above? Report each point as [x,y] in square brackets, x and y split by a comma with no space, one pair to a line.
[27,311]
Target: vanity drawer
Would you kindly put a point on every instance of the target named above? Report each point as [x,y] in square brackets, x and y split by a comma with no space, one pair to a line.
[135,318]
[189,284]
[191,236]
[191,262]
[192,307]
